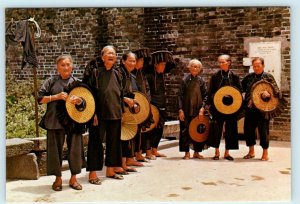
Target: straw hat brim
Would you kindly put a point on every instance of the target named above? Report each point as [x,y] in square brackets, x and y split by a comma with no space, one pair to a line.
[139,117]
[155,115]
[194,128]
[237,100]
[128,131]
[259,103]
[81,116]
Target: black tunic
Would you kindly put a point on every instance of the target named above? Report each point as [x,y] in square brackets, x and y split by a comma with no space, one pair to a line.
[192,97]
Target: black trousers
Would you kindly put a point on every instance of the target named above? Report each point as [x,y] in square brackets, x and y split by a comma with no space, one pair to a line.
[254,119]
[157,132]
[55,142]
[95,153]
[128,147]
[185,139]
[231,132]
[138,140]
[146,140]
[112,130]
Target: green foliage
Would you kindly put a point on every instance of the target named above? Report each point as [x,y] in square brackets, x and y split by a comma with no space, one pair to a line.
[20,114]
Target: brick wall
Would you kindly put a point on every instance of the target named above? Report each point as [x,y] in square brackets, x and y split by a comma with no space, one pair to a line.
[201,33]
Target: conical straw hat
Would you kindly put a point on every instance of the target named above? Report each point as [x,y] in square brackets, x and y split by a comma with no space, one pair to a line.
[199,128]
[128,131]
[228,100]
[155,114]
[77,113]
[142,110]
[264,105]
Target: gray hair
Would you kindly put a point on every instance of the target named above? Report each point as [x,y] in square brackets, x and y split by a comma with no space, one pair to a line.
[63,57]
[107,47]
[195,61]
[226,57]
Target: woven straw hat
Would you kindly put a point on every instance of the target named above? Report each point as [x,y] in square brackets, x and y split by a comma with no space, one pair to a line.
[142,53]
[78,113]
[155,114]
[228,100]
[128,131]
[163,56]
[264,105]
[199,128]
[140,112]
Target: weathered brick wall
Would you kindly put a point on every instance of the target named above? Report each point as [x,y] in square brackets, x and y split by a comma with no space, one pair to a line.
[204,33]
[201,33]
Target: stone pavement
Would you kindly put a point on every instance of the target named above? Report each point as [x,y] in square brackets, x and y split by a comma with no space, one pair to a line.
[173,179]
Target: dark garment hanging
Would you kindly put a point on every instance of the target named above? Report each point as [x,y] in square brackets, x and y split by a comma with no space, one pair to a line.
[23,35]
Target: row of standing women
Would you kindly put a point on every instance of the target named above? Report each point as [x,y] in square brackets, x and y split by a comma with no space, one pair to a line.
[113,88]
[195,99]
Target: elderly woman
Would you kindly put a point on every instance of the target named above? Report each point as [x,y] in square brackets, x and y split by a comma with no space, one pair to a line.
[51,92]
[192,99]
[223,77]
[254,118]
[104,80]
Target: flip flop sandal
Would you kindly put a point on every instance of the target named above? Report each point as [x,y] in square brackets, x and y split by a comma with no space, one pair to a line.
[248,156]
[152,157]
[216,158]
[143,160]
[76,186]
[116,176]
[95,181]
[130,170]
[122,172]
[56,187]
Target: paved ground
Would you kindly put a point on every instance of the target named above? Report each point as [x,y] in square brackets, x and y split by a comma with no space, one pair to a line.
[173,179]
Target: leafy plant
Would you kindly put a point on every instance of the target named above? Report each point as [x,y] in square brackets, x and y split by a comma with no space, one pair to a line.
[20,114]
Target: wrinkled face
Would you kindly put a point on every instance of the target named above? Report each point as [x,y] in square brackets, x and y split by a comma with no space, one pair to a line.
[224,64]
[139,63]
[258,67]
[194,69]
[160,67]
[64,68]
[109,57]
[130,62]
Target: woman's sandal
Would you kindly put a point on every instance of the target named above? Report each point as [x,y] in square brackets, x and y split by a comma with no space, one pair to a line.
[130,170]
[216,157]
[116,176]
[56,187]
[249,156]
[95,181]
[124,172]
[76,186]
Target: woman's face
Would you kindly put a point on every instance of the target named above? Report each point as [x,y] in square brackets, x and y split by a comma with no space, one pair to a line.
[64,68]
[194,69]
[139,63]
[224,64]
[258,67]
[130,62]
[160,67]
[109,57]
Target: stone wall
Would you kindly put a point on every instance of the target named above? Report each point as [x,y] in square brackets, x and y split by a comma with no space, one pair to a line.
[202,33]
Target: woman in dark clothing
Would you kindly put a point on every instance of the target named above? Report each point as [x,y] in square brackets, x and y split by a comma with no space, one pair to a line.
[158,95]
[224,77]
[50,93]
[105,82]
[129,85]
[143,138]
[254,118]
[192,99]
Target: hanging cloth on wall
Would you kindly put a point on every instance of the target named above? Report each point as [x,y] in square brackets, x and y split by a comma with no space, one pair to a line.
[20,32]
